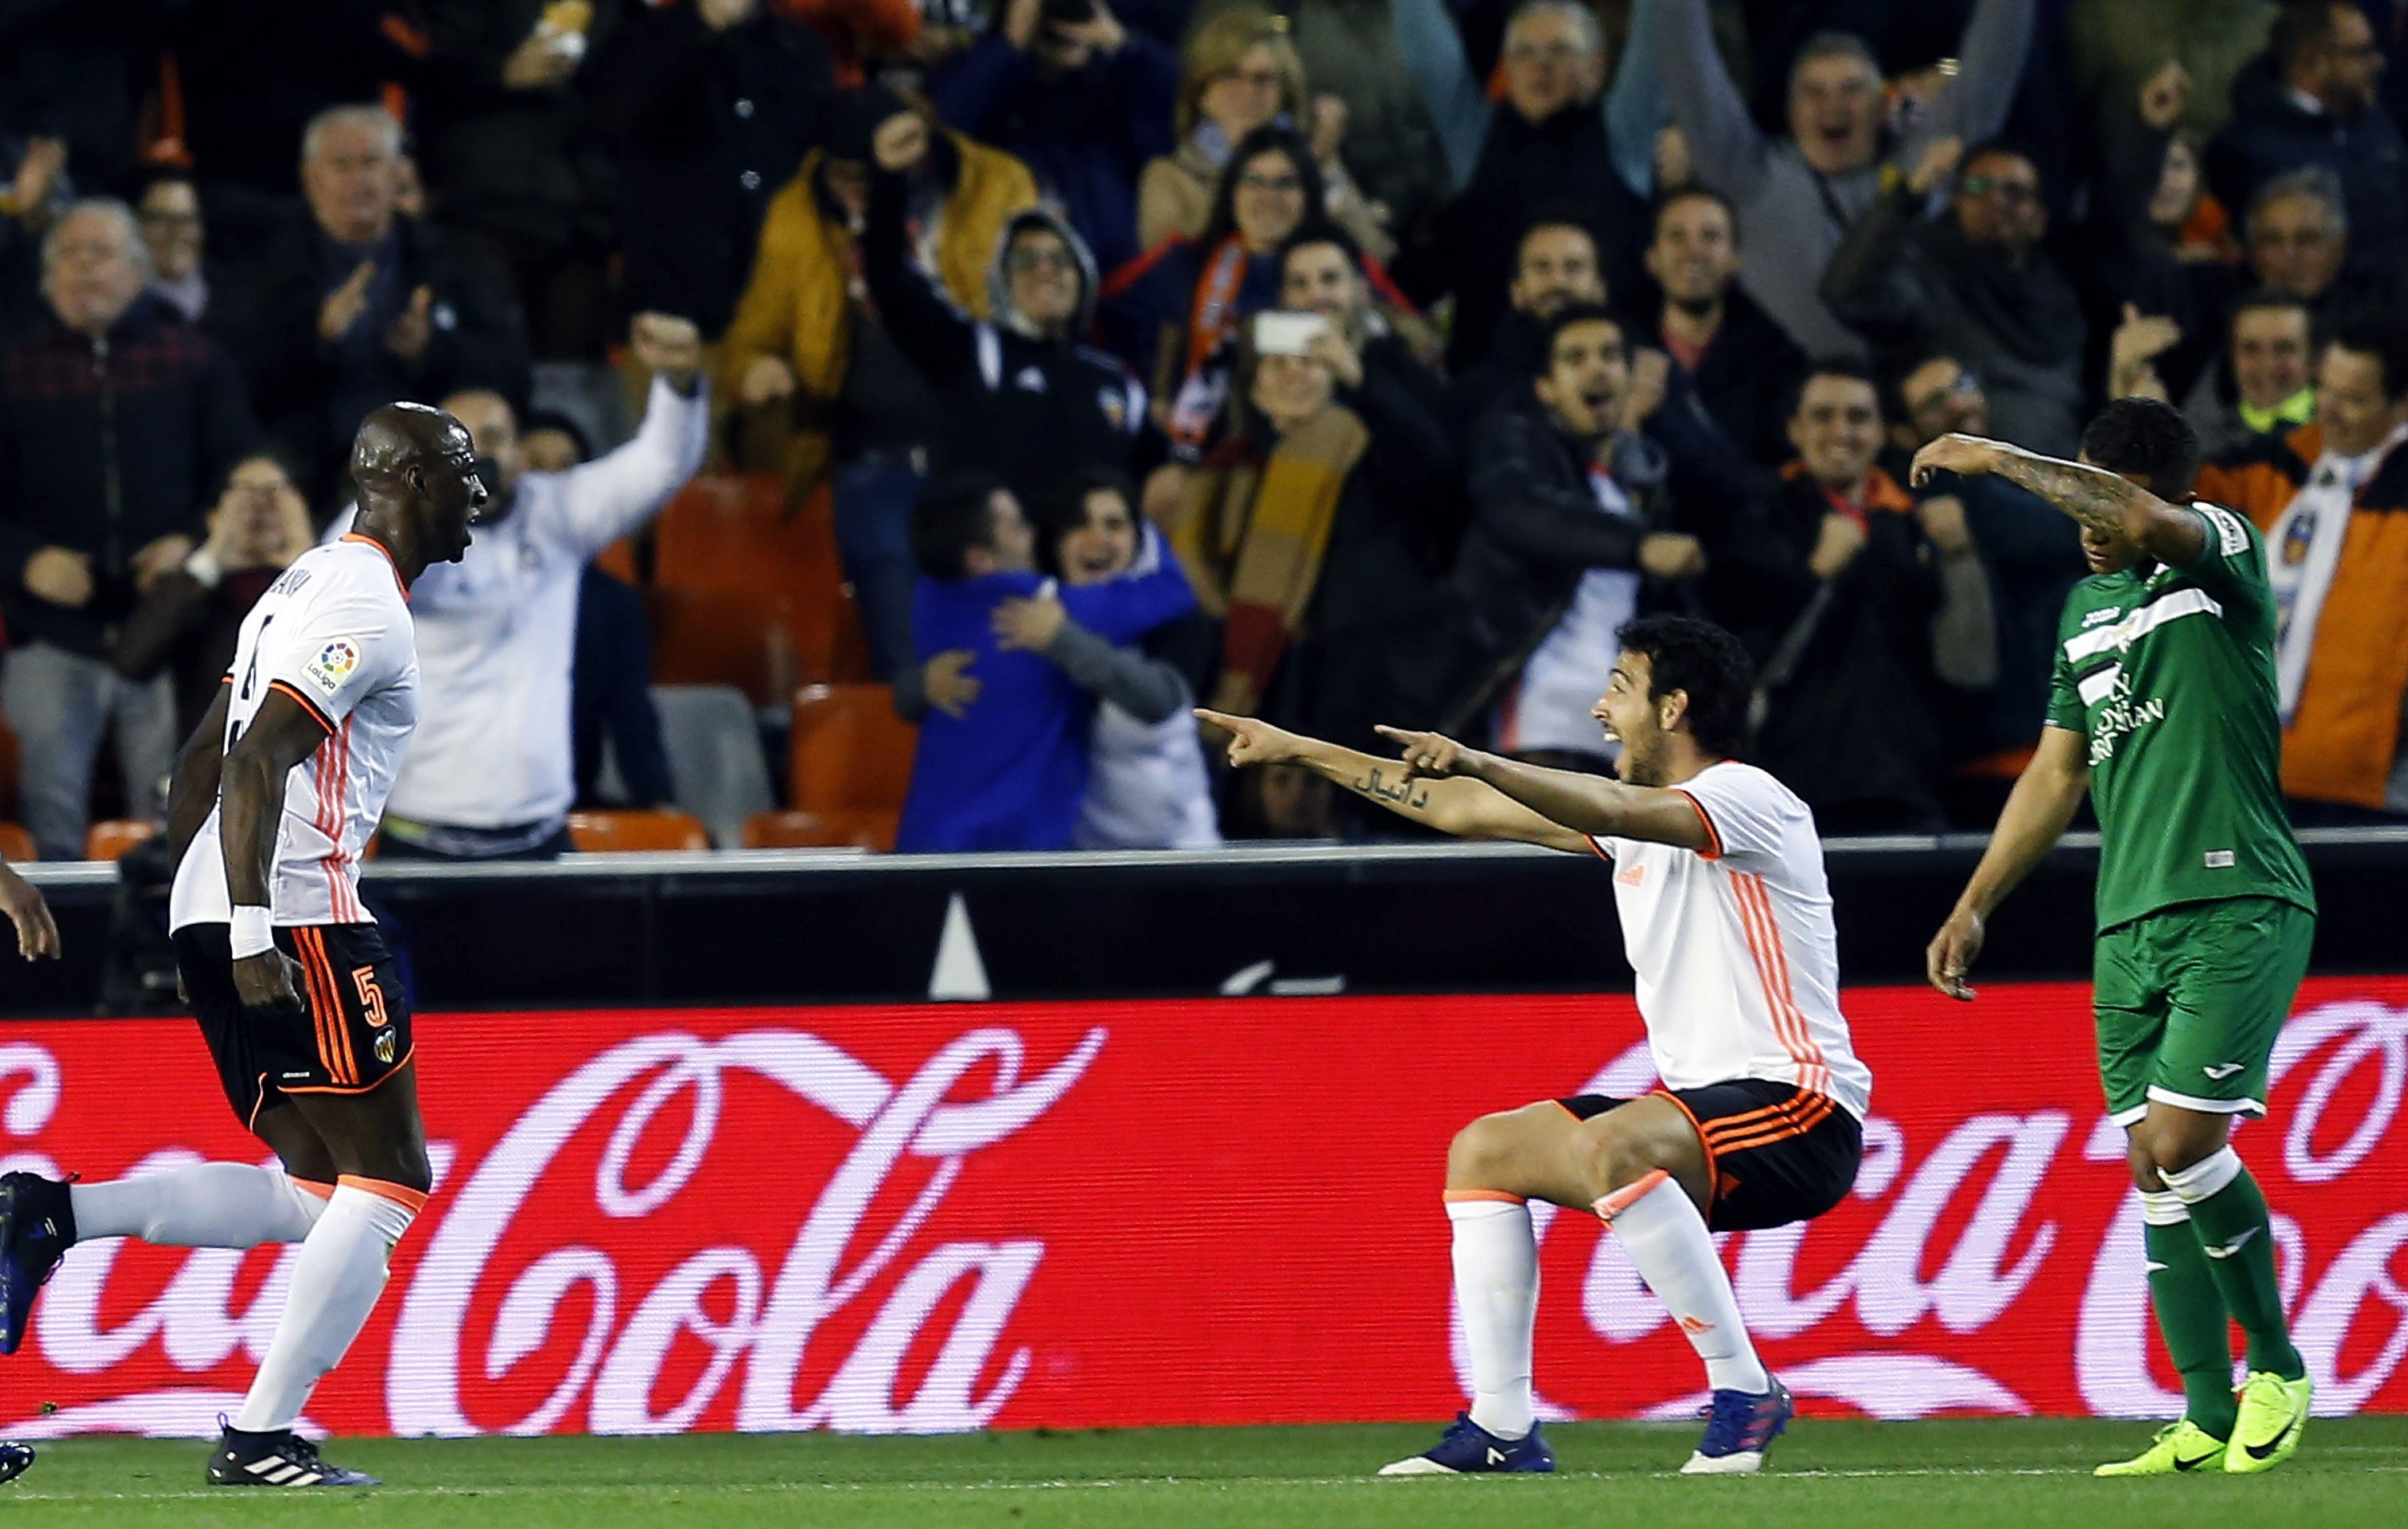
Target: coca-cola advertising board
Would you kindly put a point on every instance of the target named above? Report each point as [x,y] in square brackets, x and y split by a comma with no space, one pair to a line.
[1071,1215]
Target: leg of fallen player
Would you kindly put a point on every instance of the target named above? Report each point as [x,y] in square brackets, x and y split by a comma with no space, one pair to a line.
[379,1149]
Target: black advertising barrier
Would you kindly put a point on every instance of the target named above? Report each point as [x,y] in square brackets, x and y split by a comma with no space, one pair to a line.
[821,926]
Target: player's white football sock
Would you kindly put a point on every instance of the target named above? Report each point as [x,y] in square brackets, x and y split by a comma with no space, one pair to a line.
[208,1205]
[335,1282]
[1496,1280]
[1671,1248]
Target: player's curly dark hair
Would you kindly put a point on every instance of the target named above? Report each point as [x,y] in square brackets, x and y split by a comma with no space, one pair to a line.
[1684,653]
[2148,438]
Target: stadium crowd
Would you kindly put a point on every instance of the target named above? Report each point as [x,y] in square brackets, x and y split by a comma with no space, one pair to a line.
[1334,362]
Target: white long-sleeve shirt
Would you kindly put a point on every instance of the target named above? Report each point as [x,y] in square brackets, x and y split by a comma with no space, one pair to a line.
[497,630]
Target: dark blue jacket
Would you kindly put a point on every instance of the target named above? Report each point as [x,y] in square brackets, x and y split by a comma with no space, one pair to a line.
[1010,772]
[1086,137]
[2270,133]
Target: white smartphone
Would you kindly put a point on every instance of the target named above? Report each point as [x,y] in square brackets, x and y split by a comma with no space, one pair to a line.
[1283,334]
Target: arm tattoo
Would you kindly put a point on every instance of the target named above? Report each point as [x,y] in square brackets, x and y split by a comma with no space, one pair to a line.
[2092,496]
[1409,794]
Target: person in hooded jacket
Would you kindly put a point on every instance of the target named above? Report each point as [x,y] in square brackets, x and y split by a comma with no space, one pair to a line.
[1020,398]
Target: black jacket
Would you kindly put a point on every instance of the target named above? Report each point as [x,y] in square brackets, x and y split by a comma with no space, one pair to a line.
[190,630]
[710,125]
[528,166]
[2270,133]
[268,316]
[104,448]
[1523,167]
[1536,529]
[1744,377]
[1517,352]
[1032,411]
[1909,285]
[1854,730]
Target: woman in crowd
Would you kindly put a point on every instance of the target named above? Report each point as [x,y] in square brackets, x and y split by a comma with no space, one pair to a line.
[1240,72]
[1148,789]
[189,617]
[1175,314]
[1307,529]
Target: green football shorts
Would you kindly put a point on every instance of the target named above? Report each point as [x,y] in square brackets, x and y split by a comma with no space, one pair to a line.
[2190,999]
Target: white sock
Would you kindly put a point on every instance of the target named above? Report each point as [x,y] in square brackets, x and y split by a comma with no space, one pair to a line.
[208,1205]
[335,1282]
[1496,1282]
[1671,1248]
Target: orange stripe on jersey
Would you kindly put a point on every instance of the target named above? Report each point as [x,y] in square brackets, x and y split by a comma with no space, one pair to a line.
[1713,849]
[317,713]
[1459,1197]
[333,766]
[1765,978]
[1595,849]
[1813,1075]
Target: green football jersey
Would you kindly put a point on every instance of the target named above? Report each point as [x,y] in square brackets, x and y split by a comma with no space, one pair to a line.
[2169,674]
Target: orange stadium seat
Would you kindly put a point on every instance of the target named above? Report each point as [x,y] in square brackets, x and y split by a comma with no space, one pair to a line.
[735,533]
[852,762]
[732,530]
[786,829]
[618,560]
[607,833]
[108,839]
[742,637]
[15,844]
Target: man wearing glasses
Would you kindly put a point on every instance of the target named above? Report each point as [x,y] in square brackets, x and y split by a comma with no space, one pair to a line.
[1973,283]
[2311,101]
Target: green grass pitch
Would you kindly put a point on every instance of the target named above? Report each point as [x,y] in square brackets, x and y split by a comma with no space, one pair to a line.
[1963,1475]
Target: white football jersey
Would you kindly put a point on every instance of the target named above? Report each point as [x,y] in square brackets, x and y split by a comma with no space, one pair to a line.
[1738,963]
[333,634]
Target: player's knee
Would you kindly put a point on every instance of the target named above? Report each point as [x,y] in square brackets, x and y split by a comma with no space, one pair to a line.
[1480,1155]
[2170,1146]
[2144,1167]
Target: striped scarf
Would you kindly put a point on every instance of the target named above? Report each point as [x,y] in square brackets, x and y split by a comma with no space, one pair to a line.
[1252,528]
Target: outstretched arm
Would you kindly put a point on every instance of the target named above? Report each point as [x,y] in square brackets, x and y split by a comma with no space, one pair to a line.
[2097,498]
[2034,819]
[1586,804]
[1461,805]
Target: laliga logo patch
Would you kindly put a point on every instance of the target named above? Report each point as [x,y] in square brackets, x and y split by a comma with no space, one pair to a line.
[333,664]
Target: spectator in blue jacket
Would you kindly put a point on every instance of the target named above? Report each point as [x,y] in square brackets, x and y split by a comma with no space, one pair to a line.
[1007,768]
[2311,101]
[1080,100]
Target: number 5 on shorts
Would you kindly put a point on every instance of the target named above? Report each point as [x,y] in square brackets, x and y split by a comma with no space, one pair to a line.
[371,995]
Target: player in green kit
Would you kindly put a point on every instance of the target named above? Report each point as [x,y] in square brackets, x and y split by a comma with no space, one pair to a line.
[2163,708]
